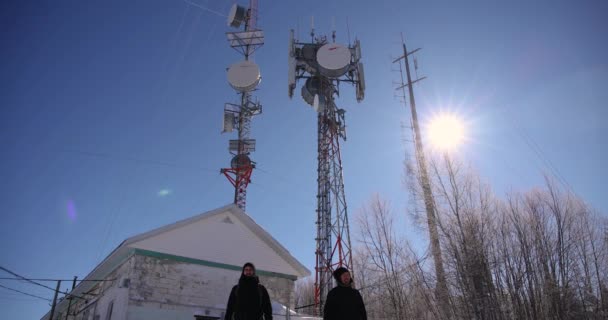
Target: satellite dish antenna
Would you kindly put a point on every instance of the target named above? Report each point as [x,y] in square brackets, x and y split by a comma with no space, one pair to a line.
[239,161]
[236,16]
[312,88]
[244,76]
[334,60]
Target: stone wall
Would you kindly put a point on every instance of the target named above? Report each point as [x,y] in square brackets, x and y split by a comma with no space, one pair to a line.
[183,288]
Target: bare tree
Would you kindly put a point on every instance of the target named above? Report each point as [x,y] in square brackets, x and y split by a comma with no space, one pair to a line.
[396,284]
[381,247]
[305,295]
[465,207]
[539,254]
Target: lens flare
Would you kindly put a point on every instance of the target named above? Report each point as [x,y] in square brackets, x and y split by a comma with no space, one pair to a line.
[71,210]
[164,192]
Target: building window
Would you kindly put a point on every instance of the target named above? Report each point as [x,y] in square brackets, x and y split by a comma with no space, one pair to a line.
[109,312]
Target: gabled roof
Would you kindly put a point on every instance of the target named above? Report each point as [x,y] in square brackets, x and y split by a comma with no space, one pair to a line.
[134,244]
[157,240]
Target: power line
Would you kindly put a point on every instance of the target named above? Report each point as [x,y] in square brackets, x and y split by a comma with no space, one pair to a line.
[123,198]
[39,284]
[26,279]
[110,156]
[542,156]
[25,293]
[204,8]
[55,280]
[16,298]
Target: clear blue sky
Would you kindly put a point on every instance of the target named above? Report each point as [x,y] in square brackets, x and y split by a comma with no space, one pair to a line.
[106,104]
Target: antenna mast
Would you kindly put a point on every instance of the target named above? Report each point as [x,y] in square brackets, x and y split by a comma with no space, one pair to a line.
[243,76]
[441,290]
[323,65]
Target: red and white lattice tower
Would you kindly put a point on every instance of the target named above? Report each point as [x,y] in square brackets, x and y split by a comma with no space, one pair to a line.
[243,76]
[323,65]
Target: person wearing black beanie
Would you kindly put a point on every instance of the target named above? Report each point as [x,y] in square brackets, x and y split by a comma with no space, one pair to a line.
[344,302]
[249,300]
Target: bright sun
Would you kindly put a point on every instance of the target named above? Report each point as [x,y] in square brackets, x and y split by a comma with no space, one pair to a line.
[446,131]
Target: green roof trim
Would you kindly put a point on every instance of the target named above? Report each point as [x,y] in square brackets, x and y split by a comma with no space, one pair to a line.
[160,255]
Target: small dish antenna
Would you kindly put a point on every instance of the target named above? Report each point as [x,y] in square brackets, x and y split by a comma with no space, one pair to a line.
[312,88]
[244,76]
[236,16]
[310,93]
[239,161]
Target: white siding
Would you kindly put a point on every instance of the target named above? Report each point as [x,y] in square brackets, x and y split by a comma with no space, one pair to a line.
[213,239]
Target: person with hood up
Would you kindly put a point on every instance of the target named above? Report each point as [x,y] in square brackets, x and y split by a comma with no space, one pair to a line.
[344,302]
[249,300]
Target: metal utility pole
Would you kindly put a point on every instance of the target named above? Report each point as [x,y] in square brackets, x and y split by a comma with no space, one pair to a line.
[67,314]
[244,77]
[324,65]
[441,289]
[55,300]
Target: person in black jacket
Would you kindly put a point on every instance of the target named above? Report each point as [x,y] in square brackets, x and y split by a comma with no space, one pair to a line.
[249,300]
[344,302]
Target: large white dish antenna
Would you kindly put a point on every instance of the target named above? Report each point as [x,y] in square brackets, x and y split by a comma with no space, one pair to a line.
[244,76]
[236,16]
[334,60]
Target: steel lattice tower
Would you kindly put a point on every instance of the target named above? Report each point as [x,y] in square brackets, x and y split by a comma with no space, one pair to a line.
[333,236]
[239,115]
[324,65]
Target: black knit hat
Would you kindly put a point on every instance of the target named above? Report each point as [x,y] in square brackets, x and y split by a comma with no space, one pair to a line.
[338,272]
[243,280]
[248,264]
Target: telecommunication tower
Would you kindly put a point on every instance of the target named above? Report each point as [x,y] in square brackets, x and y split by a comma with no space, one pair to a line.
[244,77]
[441,289]
[323,66]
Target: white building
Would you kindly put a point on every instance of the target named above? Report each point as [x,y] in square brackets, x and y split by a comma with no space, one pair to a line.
[184,269]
